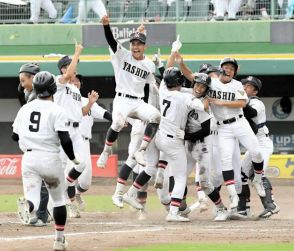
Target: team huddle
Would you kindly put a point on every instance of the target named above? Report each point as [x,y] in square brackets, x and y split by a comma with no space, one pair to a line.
[181,121]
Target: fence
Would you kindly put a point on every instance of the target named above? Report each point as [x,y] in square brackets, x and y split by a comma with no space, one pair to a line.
[18,11]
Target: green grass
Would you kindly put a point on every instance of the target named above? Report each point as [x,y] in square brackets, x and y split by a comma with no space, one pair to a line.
[214,247]
[94,203]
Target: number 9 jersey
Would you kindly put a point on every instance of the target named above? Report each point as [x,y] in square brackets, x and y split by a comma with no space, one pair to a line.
[37,124]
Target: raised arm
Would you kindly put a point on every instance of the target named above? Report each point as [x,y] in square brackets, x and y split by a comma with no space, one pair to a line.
[183,67]
[108,34]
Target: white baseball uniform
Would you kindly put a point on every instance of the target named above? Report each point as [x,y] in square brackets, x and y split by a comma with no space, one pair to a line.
[230,6]
[36,5]
[131,75]
[265,142]
[69,97]
[37,124]
[232,124]
[86,5]
[96,112]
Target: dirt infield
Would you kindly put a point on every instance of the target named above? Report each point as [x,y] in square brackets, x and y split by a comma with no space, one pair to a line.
[105,231]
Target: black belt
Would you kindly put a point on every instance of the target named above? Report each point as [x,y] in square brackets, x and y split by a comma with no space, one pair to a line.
[127,96]
[266,135]
[73,124]
[229,121]
[213,132]
[260,125]
[170,136]
[29,150]
[85,138]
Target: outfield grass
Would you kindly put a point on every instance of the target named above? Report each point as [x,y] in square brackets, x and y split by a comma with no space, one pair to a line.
[94,203]
[214,247]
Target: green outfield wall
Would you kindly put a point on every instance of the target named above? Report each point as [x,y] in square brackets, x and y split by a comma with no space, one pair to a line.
[251,42]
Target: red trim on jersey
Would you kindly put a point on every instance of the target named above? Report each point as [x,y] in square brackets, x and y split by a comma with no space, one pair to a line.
[175,203]
[258,171]
[71,180]
[218,201]
[161,165]
[59,227]
[108,143]
[229,182]
[136,185]
[121,181]
[147,138]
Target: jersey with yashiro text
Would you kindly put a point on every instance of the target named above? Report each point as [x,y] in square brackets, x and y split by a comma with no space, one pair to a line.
[131,75]
[37,124]
[69,97]
[231,91]
[96,112]
[175,107]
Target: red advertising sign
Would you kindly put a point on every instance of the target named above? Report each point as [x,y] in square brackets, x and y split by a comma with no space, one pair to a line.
[10,167]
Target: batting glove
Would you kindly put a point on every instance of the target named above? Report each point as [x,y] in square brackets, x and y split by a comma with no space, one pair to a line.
[176,46]
[157,61]
[75,161]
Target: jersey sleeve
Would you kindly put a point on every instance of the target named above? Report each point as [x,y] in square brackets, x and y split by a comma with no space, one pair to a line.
[240,93]
[194,103]
[120,53]
[97,112]
[61,120]
[257,105]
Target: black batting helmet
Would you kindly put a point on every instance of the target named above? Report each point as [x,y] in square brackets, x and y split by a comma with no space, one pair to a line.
[172,77]
[31,68]
[253,81]
[203,78]
[230,61]
[44,84]
[203,67]
[211,69]
[64,61]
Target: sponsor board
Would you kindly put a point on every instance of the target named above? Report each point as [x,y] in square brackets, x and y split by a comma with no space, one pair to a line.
[10,167]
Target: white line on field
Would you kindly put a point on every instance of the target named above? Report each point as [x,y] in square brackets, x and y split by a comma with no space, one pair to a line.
[30,237]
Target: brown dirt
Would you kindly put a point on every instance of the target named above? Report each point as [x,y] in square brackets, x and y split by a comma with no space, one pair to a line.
[105,231]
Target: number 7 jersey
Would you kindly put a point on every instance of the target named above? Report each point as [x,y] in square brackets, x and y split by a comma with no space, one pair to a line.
[37,124]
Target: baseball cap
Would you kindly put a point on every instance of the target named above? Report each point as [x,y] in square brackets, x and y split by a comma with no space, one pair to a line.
[138,36]
[64,61]
[203,67]
[253,80]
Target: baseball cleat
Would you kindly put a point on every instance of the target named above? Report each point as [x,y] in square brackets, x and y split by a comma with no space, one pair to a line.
[23,211]
[102,161]
[117,199]
[35,222]
[259,187]
[176,217]
[60,245]
[139,157]
[268,212]
[132,201]
[80,202]
[221,214]
[185,212]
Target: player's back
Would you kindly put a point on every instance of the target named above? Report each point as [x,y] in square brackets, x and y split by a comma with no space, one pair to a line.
[37,124]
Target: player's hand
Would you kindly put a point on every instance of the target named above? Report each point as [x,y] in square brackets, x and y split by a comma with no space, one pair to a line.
[105,20]
[78,47]
[215,101]
[141,28]
[93,96]
[76,161]
[206,104]
[176,46]
[157,61]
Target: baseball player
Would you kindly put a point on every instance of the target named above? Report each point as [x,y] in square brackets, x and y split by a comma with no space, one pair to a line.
[26,94]
[132,71]
[230,6]
[36,5]
[227,98]
[170,140]
[86,5]
[96,112]
[40,128]
[254,112]
[69,97]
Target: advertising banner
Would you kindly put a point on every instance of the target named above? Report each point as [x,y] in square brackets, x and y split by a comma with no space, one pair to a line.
[10,167]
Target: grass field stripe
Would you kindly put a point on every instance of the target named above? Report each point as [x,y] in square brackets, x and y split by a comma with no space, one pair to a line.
[31,237]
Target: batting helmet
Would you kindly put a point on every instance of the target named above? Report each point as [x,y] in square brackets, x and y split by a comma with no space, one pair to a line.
[202,78]
[211,69]
[230,61]
[44,84]
[203,67]
[172,77]
[138,36]
[31,68]
[253,81]
[64,61]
